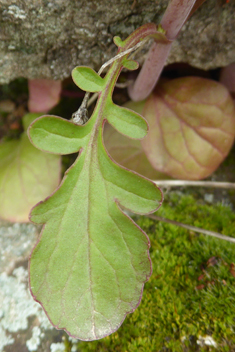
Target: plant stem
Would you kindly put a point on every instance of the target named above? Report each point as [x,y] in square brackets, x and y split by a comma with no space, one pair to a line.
[172,21]
[120,55]
[175,16]
[193,228]
[150,71]
[80,117]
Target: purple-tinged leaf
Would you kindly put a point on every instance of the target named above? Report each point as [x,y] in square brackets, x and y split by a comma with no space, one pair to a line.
[192,127]
[44,94]
[129,153]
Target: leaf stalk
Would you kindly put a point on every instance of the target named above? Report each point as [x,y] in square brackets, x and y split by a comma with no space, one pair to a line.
[193,228]
[174,18]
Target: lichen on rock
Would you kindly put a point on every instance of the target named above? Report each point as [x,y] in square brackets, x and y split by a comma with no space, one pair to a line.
[17,306]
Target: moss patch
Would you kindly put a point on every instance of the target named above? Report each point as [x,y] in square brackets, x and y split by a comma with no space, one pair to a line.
[191,292]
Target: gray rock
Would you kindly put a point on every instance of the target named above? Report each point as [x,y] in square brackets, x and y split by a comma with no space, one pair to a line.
[47,39]
[23,324]
[16,243]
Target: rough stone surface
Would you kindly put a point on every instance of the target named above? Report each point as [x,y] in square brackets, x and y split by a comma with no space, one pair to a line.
[16,242]
[23,324]
[47,38]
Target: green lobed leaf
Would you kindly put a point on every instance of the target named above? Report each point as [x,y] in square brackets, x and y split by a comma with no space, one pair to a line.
[75,266]
[192,127]
[56,135]
[129,152]
[127,121]
[27,176]
[91,261]
[87,79]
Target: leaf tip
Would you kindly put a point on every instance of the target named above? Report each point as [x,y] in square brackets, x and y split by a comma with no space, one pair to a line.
[118,42]
[87,79]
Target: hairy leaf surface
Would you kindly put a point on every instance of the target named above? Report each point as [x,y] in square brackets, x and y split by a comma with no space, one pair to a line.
[90,264]
[87,79]
[192,127]
[26,176]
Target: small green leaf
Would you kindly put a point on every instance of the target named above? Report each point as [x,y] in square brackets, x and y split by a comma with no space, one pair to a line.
[127,121]
[87,79]
[56,135]
[160,29]
[130,64]
[117,41]
[27,176]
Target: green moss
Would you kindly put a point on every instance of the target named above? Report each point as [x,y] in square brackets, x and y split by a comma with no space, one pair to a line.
[191,292]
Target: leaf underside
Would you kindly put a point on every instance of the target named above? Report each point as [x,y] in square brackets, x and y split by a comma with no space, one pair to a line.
[91,261]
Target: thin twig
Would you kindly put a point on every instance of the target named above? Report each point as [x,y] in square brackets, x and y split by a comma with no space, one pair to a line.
[185,183]
[124,84]
[193,228]
[118,56]
[80,117]
[92,99]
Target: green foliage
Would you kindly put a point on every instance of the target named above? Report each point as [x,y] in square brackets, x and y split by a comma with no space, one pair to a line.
[176,310]
[191,127]
[91,261]
[129,153]
[26,175]
[88,79]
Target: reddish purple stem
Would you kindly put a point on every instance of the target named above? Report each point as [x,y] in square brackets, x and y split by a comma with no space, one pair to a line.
[173,19]
[175,16]
[227,77]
